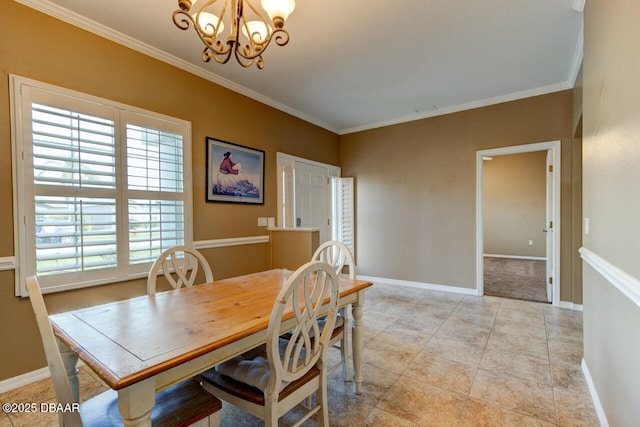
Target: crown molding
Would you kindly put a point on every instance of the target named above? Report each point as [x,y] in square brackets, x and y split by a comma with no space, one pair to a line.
[463,107]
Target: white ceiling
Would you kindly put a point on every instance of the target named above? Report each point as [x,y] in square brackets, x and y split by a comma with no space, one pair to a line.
[352,65]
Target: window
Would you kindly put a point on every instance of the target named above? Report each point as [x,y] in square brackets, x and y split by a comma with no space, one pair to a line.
[101,188]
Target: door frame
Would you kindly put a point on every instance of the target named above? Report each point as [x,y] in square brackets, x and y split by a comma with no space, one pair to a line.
[285,166]
[554,147]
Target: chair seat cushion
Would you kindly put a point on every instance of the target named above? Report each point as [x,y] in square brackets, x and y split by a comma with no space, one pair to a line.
[179,405]
[250,393]
[251,368]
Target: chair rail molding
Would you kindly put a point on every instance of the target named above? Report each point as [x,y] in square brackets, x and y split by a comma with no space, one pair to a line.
[232,241]
[7,263]
[623,281]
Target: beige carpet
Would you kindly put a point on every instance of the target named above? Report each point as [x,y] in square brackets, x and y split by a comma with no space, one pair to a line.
[515,278]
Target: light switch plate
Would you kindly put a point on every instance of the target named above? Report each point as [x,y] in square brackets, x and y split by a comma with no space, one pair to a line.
[262,222]
[271,221]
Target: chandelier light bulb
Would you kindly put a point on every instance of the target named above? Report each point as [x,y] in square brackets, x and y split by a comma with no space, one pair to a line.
[256,30]
[207,22]
[278,9]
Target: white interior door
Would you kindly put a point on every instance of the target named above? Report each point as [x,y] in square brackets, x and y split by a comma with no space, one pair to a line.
[549,226]
[312,198]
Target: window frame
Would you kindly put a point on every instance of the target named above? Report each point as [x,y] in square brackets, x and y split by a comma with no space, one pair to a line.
[21,90]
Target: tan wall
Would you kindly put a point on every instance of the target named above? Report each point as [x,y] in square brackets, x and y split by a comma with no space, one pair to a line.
[415,188]
[611,201]
[37,46]
[292,248]
[514,204]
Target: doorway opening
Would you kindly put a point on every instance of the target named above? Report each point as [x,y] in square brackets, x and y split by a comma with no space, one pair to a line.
[518,222]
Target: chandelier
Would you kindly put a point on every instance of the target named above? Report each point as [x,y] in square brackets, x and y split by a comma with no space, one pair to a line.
[248,32]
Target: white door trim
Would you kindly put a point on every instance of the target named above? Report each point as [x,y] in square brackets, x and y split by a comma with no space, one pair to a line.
[555,147]
[286,207]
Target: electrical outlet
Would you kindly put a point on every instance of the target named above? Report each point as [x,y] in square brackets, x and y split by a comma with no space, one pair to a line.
[271,222]
[530,242]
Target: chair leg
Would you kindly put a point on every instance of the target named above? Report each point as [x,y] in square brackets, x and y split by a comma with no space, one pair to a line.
[270,412]
[345,346]
[321,400]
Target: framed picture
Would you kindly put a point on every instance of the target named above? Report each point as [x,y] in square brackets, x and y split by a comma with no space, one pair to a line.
[234,173]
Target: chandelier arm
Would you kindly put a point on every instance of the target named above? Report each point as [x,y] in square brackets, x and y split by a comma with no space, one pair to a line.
[221,58]
[281,37]
[247,61]
[183,19]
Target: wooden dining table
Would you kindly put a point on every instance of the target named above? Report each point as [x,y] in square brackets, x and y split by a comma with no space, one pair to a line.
[145,344]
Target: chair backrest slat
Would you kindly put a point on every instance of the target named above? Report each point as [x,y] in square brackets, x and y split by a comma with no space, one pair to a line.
[336,254]
[180,266]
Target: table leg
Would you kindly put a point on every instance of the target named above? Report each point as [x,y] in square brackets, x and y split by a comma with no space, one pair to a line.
[70,361]
[357,341]
[135,403]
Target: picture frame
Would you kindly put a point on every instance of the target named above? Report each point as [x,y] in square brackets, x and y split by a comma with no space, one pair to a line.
[235,173]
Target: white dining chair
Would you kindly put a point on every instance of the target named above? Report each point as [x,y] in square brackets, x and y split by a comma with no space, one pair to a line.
[183,404]
[180,266]
[338,255]
[270,380]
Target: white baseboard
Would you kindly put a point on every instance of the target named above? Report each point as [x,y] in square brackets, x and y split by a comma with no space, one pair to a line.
[570,306]
[24,379]
[28,378]
[421,285]
[445,288]
[533,258]
[602,417]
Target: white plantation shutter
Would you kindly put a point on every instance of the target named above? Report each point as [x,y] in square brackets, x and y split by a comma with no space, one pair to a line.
[101,187]
[74,187]
[344,212]
[155,192]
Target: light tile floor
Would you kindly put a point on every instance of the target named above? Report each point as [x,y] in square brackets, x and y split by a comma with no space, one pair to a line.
[435,359]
